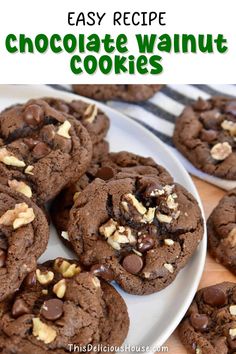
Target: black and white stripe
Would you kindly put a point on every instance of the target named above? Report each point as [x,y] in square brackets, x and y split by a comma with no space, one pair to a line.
[159,113]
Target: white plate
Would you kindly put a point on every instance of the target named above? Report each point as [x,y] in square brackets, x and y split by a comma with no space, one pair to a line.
[154,317]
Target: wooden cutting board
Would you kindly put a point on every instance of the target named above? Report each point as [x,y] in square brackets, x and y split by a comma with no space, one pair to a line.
[214,272]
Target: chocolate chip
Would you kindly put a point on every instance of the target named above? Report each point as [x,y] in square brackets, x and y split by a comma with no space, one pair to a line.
[101,270]
[40,150]
[150,188]
[48,133]
[105,173]
[19,308]
[208,135]
[30,280]
[31,143]
[214,296]
[52,309]
[145,243]
[199,321]
[2,258]
[33,115]
[132,263]
[62,143]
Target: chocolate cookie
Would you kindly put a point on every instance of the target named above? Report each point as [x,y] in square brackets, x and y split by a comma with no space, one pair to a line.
[41,149]
[24,235]
[209,326]
[103,166]
[206,134]
[138,227]
[95,121]
[132,93]
[59,307]
[222,231]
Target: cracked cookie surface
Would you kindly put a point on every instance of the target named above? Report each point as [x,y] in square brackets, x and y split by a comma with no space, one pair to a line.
[42,148]
[205,133]
[140,228]
[132,93]
[221,227]
[95,120]
[60,304]
[24,236]
[209,327]
[104,166]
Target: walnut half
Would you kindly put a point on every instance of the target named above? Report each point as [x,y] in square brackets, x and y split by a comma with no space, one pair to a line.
[17,217]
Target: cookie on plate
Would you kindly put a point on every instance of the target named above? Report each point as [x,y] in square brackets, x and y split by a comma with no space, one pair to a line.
[95,121]
[209,326]
[24,236]
[41,149]
[131,93]
[205,133]
[221,227]
[141,228]
[103,166]
[60,306]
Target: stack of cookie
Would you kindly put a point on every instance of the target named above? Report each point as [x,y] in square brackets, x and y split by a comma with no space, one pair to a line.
[122,214]
[205,133]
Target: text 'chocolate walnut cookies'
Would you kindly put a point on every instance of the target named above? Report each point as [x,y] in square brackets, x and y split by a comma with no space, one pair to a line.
[24,235]
[139,228]
[221,227]
[132,93]
[209,326]
[105,167]
[59,305]
[94,120]
[41,149]
[206,134]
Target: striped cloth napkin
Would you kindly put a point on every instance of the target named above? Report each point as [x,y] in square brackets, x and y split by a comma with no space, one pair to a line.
[159,113]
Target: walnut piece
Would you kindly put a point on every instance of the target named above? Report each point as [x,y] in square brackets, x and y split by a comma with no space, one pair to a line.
[171,203]
[169,267]
[76,196]
[17,217]
[64,130]
[60,288]
[198,350]
[90,113]
[148,217]
[96,282]
[232,310]
[231,238]
[229,126]
[65,235]
[116,234]
[43,332]
[108,228]
[9,159]
[20,187]
[168,242]
[163,218]
[67,269]
[44,278]
[232,333]
[136,203]
[221,151]
[29,170]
